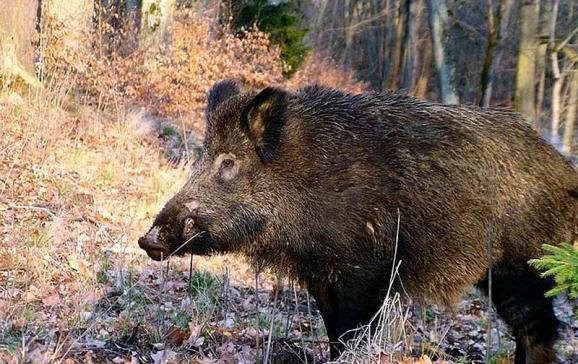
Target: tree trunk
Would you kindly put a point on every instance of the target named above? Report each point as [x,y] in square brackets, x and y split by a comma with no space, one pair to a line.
[396,53]
[17,26]
[133,18]
[526,69]
[353,16]
[75,16]
[556,94]
[497,25]
[422,83]
[384,43]
[438,23]
[543,44]
[410,45]
[156,22]
[571,114]
[557,77]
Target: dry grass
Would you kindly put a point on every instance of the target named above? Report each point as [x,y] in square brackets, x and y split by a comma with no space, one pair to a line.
[72,186]
[78,187]
[79,182]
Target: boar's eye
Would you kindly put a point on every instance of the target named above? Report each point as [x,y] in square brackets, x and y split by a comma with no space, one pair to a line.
[227,167]
[227,163]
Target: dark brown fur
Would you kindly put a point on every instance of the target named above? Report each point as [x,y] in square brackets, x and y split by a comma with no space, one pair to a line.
[319,177]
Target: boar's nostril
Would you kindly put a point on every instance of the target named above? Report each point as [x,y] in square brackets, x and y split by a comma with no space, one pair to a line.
[193,206]
[146,243]
[143,243]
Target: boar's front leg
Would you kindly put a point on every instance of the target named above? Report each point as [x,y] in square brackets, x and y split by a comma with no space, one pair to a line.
[328,307]
[345,305]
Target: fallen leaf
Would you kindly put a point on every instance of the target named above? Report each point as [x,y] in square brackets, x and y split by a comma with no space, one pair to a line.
[425,360]
[52,300]
[384,358]
[199,342]
[176,336]
[39,356]
[81,266]
[194,332]
[103,215]
[163,356]
[95,343]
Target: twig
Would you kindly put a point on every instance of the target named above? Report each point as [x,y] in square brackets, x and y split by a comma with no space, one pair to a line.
[314,341]
[490,313]
[300,328]
[565,41]
[37,208]
[257,346]
[315,333]
[190,274]
[266,355]
[182,245]
[289,321]
[160,312]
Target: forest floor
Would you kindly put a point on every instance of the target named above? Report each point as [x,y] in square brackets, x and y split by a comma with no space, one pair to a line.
[79,186]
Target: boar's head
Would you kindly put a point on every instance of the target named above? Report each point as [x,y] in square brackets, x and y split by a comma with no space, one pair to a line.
[230,197]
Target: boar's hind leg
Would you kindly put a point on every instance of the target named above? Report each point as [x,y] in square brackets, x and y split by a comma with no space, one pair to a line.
[519,300]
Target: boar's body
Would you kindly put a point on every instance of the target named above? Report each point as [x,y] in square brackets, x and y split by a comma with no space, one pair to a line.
[320,201]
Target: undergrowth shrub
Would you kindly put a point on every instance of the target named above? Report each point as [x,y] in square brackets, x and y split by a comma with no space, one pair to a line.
[322,70]
[561,264]
[171,80]
[281,21]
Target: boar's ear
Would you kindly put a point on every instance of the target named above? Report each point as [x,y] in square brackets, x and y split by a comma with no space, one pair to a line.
[263,121]
[220,92]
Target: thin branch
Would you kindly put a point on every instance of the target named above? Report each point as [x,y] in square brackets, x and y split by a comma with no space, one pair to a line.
[490,311]
[565,41]
[36,208]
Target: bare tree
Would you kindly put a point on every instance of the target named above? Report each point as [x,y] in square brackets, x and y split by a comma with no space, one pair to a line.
[571,114]
[422,84]
[396,52]
[526,69]
[17,26]
[410,44]
[438,20]
[497,25]
[541,52]
[384,40]
[353,13]
[558,75]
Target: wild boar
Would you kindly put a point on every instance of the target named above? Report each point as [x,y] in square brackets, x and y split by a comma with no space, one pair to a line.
[310,183]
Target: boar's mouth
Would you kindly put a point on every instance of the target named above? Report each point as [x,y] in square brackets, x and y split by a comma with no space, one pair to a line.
[192,240]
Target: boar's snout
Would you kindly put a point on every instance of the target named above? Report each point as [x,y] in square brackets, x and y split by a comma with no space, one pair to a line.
[155,249]
[177,230]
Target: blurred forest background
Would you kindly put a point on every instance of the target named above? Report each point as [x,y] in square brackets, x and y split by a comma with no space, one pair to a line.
[101,113]
[506,53]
